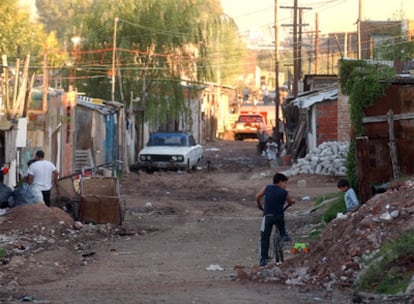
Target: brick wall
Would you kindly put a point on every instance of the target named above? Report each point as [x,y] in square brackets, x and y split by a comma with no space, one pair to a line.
[344,119]
[327,117]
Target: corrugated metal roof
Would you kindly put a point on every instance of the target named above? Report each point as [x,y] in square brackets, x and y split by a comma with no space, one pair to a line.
[309,100]
[99,105]
[400,79]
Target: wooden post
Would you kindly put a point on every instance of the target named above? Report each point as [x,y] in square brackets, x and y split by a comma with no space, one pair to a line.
[16,83]
[362,151]
[45,83]
[6,102]
[21,92]
[393,149]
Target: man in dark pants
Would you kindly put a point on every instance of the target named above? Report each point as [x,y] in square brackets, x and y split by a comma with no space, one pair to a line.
[5,193]
[275,196]
[42,174]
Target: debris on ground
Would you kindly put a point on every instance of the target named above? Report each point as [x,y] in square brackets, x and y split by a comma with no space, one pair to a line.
[326,159]
[34,236]
[337,257]
[44,244]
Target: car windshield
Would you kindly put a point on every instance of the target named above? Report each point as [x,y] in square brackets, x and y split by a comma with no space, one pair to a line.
[162,139]
[250,118]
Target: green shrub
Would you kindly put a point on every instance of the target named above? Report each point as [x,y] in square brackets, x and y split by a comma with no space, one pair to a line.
[316,231]
[325,197]
[332,204]
[390,270]
[336,206]
[3,253]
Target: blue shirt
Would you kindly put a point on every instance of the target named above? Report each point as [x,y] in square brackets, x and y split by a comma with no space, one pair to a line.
[274,200]
[351,200]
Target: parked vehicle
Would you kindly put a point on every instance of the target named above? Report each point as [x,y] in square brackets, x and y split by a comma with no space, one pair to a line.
[249,126]
[170,150]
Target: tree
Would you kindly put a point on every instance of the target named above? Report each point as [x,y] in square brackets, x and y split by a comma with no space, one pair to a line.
[230,50]
[19,36]
[398,49]
[159,44]
[62,17]
[22,42]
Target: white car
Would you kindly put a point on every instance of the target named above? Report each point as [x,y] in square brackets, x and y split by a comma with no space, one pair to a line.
[170,150]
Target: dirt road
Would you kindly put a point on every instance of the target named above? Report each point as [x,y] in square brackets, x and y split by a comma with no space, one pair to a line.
[184,236]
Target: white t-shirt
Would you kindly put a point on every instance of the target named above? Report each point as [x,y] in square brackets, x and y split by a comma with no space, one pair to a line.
[42,172]
[271,150]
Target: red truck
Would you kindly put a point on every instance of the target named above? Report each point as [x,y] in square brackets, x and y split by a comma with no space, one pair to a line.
[249,125]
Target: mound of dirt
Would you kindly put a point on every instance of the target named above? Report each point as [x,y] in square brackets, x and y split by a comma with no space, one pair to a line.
[337,257]
[26,216]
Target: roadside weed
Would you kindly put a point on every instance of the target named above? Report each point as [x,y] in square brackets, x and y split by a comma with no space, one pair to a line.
[390,270]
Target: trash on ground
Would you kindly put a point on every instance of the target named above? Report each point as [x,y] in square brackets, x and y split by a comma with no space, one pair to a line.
[214,267]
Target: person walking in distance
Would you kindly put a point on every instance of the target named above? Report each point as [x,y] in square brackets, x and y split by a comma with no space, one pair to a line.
[275,196]
[41,175]
[271,152]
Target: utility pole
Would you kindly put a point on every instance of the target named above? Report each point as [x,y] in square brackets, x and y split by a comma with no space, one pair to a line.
[295,49]
[312,54]
[296,46]
[300,72]
[359,28]
[327,55]
[114,59]
[316,42]
[276,134]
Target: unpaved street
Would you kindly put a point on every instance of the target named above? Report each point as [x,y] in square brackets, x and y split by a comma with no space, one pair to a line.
[187,247]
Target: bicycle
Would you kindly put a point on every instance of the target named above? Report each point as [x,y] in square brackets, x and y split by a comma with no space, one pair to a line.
[277,244]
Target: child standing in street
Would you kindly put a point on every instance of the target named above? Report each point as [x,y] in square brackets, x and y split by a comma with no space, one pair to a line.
[271,152]
[275,197]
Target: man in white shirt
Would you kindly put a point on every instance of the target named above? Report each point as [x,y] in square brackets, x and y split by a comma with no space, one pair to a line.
[41,175]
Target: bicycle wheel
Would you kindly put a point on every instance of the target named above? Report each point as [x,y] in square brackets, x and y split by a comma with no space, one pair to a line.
[278,247]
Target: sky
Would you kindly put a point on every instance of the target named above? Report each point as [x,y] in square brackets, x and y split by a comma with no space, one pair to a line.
[333,15]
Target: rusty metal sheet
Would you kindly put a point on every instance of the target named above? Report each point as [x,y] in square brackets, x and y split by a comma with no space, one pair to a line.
[100,203]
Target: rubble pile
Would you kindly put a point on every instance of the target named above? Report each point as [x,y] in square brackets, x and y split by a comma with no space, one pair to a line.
[46,239]
[327,159]
[31,215]
[338,256]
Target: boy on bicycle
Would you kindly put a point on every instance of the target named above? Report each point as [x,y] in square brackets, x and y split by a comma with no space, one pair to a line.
[275,196]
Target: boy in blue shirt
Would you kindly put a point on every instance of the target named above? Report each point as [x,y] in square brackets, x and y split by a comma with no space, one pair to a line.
[351,200]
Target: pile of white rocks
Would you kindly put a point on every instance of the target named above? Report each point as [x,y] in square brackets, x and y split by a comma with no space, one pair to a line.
[327,159]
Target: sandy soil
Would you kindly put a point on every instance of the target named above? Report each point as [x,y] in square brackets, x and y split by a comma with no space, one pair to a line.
[186,248]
